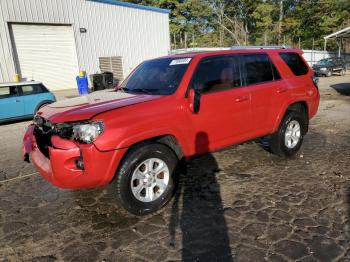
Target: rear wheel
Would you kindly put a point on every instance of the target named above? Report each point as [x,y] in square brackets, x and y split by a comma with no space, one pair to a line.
[342,72]
[289,137]
[144,181]
[329,73]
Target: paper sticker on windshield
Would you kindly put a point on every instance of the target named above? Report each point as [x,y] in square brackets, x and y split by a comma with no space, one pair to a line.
[182,61]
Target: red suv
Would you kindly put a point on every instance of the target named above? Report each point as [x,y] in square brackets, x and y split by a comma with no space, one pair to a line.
[169,109]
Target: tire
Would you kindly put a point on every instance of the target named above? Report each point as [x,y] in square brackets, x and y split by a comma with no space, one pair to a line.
[134,194]
[279,140]
[329,73]
[342,72]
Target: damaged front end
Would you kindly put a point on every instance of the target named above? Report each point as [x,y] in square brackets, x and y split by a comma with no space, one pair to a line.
[65,155]
[84,132]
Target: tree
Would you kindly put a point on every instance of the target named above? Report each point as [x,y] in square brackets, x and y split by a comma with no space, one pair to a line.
[259,22]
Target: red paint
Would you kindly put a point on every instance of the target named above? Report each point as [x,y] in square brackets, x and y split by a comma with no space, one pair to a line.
[227,117]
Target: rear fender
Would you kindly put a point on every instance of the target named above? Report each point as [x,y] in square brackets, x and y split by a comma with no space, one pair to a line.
[283,111]
[41,104]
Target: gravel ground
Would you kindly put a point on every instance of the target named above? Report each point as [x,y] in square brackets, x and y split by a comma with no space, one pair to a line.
[241,204]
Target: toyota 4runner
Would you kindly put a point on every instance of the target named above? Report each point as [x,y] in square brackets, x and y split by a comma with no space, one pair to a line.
[169,109]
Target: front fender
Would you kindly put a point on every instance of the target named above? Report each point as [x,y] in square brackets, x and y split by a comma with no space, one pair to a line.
[132,139]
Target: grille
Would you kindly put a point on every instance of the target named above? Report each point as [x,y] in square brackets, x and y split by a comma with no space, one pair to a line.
[43,132]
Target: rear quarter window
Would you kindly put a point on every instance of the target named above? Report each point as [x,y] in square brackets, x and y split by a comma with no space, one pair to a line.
[32,89]
[295,63]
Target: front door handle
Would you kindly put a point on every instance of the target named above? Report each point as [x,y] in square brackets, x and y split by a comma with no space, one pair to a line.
[242,99]
[282,90]
[17,101]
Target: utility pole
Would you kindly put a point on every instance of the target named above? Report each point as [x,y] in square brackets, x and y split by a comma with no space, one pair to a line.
[185,40]
[193,40]
[280,23]
[312,54]
[265,39]
[299,42]
[181,41]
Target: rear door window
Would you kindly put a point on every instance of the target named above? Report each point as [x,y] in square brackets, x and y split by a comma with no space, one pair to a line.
[32,89]
[8,91]
[217,74]
[259,69]
[295,63]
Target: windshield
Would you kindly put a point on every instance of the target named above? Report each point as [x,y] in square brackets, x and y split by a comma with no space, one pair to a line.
[324,62]
[157,77]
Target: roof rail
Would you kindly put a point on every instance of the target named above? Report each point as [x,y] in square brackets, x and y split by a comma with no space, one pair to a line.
[260,47]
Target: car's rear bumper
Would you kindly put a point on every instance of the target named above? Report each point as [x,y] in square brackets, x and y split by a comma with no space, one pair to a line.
[60,168]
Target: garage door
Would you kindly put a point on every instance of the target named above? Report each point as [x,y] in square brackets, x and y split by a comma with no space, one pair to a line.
[46,53]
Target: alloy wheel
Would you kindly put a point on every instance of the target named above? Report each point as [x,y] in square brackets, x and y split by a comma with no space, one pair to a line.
[150,180]
[293,134]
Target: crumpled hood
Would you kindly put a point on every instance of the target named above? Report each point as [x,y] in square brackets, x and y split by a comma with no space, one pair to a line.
[85,107]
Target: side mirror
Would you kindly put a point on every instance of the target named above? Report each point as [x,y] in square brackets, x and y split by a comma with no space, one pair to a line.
[195,98]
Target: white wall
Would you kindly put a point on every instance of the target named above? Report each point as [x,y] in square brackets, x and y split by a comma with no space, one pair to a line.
[112,30]
[313,56]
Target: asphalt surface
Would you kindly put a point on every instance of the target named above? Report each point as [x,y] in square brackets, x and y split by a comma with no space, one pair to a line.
[241,204]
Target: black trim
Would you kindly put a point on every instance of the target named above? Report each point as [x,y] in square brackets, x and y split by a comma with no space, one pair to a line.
[17,118]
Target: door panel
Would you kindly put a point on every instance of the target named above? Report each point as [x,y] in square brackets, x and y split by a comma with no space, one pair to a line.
[267,91]
[11,104]
[224,117]
[32,96]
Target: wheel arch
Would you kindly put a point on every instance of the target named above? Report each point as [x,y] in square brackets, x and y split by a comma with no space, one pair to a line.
[298,106]
[168,140]
[41,103]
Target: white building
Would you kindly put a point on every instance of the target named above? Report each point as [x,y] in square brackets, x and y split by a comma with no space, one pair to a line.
[51,40]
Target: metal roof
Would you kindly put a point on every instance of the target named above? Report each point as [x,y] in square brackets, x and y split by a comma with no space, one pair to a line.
[131,5]
[20,83]
[344,33]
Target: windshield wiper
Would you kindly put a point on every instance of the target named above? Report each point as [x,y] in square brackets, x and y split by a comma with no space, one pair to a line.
[138,90]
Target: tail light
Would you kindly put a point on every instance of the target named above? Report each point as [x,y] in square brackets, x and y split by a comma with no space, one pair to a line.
[315,81]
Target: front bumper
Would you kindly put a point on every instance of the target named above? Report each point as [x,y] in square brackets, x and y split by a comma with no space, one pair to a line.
[60,167]
[318,71]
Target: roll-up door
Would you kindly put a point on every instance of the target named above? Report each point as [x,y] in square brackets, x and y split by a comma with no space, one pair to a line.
[46,53]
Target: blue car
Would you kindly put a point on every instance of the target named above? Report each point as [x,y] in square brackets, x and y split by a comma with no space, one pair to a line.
[22,100]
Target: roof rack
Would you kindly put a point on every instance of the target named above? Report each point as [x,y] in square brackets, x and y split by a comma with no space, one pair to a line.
[260,47]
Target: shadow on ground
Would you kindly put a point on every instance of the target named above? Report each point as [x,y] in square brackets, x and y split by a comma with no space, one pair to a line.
[342,88]
[201,216]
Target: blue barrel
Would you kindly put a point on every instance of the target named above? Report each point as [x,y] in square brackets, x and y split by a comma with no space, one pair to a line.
[83,85]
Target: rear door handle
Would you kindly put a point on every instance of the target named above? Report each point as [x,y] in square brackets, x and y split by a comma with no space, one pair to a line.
[282,90]
[242,99]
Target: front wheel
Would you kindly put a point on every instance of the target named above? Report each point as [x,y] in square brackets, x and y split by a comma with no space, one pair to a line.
[289,137]
[144,181]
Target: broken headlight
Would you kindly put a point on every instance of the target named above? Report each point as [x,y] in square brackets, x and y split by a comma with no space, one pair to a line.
[87,133]
[84,132]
